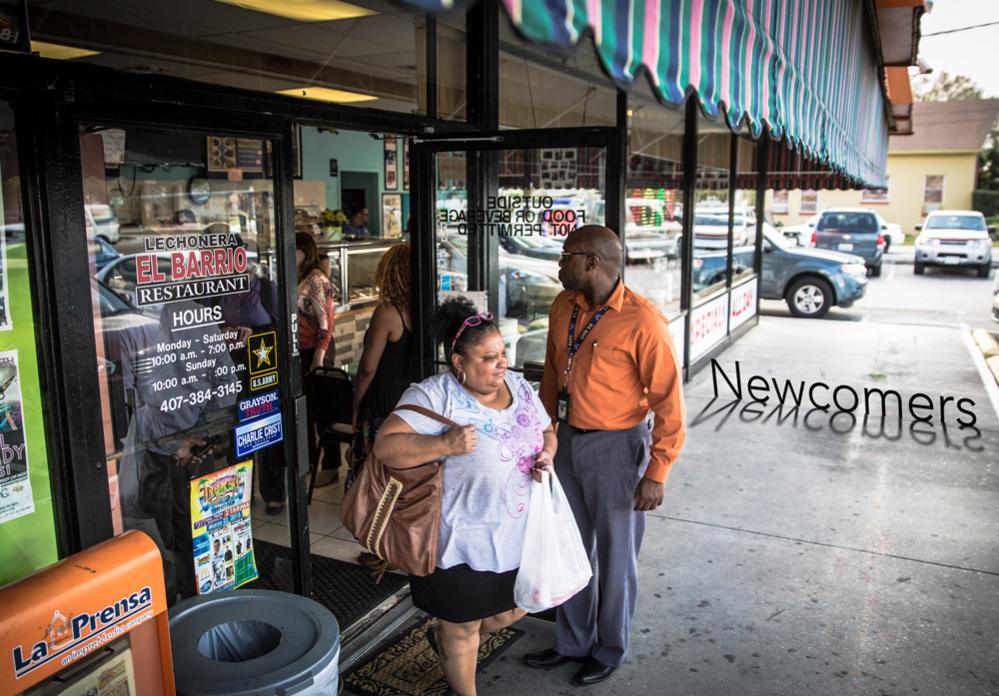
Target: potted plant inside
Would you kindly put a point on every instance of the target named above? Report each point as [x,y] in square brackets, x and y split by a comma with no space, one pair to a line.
[332,222]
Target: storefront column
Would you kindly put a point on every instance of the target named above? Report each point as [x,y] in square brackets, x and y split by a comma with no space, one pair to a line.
[56,215]
[687,256]
[762,159]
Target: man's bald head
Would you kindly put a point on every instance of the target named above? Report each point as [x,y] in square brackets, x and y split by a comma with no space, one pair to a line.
[600,241]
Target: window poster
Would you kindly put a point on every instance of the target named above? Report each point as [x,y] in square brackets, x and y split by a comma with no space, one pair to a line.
[391,163]
[220,526]
[15,486]
[558,168]
[392,215]
[5,324]
[405,164]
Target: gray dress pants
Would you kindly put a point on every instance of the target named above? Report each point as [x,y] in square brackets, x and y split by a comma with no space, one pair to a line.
[599,471]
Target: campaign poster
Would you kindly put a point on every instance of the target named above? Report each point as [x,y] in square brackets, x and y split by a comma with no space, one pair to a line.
[220,526]
[15,486]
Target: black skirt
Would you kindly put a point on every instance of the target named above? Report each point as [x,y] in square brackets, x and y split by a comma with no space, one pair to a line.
[459,594]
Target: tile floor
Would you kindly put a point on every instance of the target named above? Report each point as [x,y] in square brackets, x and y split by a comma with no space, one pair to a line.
[327,536]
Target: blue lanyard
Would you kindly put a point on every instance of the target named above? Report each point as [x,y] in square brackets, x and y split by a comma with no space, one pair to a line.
[574,345]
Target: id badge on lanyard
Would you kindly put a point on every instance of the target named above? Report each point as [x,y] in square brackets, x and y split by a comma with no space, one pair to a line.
[562,399]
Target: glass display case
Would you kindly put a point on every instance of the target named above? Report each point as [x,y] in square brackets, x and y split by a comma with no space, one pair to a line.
[352,270]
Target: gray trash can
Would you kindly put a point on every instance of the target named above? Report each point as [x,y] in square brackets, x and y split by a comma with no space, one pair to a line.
[254,643]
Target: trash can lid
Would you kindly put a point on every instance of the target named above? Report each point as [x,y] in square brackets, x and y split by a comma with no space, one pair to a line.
[310,640]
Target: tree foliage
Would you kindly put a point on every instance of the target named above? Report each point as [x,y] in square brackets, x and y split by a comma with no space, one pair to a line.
[945,87]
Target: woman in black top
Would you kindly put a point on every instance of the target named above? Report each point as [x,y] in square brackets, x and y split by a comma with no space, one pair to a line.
[385,370]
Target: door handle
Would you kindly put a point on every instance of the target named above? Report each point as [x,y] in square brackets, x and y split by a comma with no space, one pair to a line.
[302,434]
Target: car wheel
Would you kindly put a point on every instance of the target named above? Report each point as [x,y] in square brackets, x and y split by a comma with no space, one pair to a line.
[876,271]
[809,297]
[983,270]
[918,268]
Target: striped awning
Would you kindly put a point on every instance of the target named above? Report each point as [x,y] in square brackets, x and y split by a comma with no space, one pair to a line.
[804,69]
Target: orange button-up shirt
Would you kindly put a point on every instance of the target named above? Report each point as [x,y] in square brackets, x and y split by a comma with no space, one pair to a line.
[626,367]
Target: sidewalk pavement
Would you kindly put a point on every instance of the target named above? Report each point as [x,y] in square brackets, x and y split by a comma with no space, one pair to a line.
[906,255]
[798,553]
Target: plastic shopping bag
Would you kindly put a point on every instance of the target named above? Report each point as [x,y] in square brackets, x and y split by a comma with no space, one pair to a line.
[553,564]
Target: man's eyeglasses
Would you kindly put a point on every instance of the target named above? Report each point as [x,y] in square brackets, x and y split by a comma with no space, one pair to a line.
[567,254]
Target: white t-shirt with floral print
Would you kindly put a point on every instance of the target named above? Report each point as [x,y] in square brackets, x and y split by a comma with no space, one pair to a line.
[484,506]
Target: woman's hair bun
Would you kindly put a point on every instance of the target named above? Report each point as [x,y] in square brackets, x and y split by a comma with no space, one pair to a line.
[450,315]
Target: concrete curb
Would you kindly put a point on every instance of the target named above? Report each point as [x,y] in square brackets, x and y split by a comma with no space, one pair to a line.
[987,343]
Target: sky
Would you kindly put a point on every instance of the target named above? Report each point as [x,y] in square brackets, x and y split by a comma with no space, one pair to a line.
[966,52]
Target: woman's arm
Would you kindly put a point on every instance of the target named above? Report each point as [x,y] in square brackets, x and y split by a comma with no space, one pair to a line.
[374,345]
[398,445]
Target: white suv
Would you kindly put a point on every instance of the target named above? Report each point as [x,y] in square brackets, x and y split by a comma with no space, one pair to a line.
[954,238]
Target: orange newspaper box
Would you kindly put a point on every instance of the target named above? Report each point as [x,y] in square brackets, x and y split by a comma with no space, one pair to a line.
[95,622]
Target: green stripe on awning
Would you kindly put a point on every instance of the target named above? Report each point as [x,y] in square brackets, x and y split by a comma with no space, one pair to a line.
[804,69]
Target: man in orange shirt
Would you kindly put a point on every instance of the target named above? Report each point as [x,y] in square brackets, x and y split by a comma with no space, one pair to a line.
[610,360]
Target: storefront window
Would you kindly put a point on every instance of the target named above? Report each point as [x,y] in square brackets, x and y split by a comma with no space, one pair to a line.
[654,200]
[183,237]
[744,217]
[543,195]
[452,96]
[365,53]
[27,525]
[711,222]
[539,89]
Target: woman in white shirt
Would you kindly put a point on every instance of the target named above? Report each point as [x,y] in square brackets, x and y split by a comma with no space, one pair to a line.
[487,475]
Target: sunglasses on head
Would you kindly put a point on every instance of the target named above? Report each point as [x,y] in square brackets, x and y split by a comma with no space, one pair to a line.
[567,254]
[474,320]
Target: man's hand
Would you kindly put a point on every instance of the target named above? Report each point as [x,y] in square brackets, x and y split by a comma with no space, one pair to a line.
[649,495]
[184,453]
[460,440]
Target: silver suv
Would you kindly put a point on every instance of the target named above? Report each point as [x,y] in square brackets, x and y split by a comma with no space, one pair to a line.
[954,238]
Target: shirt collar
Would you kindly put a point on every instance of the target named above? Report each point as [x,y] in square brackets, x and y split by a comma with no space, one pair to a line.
[615,301]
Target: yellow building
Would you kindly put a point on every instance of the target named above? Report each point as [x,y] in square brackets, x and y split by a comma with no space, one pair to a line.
[935,168]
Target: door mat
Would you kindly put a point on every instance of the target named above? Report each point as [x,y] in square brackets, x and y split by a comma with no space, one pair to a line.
[409,667]
[346,589]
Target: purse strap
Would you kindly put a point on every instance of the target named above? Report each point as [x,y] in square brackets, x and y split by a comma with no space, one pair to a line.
[429,414]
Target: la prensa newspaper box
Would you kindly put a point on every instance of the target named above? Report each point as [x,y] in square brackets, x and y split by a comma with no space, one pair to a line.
[94,623]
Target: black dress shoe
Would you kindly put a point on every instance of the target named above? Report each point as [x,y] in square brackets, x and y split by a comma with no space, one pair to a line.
[548,658]
[592,672]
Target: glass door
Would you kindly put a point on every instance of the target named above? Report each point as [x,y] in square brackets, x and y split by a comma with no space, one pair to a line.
[185,289]
[502,209]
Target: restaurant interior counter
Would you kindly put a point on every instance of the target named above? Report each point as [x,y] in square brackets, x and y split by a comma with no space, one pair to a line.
[353,265]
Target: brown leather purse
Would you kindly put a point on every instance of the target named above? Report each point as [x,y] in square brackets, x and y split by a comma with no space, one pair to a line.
[396,513]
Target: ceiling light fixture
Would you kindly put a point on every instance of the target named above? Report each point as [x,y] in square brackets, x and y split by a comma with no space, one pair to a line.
[60,52]
[327,95]
[304,10]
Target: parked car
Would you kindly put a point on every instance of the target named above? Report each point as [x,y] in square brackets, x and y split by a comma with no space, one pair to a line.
[102,222]
[528,285]
[801,234]
[954,238]
[810,281]
[103,252]
[855,231]
[711,227]
[894,236]
[995,299]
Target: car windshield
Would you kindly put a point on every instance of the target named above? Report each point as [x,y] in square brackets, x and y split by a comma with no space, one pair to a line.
[711,220]
[857,222]
[534,242]
[955,222]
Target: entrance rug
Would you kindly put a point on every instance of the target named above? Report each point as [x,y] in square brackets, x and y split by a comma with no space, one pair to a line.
[346,589]
[409,667]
